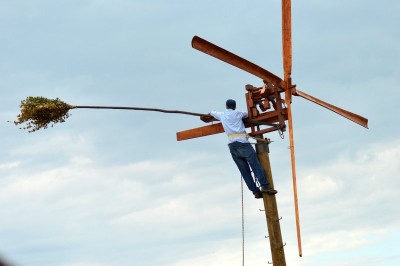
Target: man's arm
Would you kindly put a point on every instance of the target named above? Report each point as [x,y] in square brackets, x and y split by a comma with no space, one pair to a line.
[207,118]
[213,116]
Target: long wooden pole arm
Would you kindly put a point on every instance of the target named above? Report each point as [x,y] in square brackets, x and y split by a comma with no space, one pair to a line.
[140,109]
[204,117]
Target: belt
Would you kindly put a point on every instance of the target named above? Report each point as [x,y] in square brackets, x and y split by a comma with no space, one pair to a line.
[237,135]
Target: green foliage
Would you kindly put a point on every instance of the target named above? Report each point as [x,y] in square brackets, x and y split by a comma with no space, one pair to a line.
[40,112]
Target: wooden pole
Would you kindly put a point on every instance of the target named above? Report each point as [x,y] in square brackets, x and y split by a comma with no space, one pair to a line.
[142,109]
[271,209]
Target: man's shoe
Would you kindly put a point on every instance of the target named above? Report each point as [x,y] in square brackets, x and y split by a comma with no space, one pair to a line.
[258,195]
[268,190]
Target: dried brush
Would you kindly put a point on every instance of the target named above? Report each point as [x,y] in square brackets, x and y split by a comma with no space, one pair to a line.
[40,112]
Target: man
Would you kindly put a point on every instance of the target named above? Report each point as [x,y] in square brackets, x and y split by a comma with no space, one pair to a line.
[241,150]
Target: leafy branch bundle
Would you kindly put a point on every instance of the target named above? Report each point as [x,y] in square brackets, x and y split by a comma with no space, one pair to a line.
[40,112]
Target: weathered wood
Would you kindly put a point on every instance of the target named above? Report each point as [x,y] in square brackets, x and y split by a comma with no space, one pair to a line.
[232,59]
[294,177]
[287,38]
[349,115]
[271,210]
[251,110]
[269,117]
[200,132]
[287,63]
[263,131]
[279,109]
[265,118]
[138,109]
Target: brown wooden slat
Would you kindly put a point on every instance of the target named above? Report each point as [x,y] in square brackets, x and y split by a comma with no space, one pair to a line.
[232,59]
[294,178]
[263,131]
[349,115]
[287,38]
[200,132]
[269,117]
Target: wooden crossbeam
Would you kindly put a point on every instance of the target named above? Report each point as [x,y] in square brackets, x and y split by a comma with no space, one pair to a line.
[265,118]
[200,132]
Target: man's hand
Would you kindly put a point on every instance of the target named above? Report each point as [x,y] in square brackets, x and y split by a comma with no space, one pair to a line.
[207,118]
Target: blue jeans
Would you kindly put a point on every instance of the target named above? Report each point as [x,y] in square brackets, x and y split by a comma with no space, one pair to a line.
[244,155]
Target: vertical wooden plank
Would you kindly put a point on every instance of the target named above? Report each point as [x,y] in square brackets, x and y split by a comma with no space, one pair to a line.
[287,38]
[271,210]
[294,180]
[287,68]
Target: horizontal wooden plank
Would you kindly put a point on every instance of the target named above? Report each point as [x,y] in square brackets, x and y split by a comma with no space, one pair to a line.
[263,131]
[200,132]
[269,117]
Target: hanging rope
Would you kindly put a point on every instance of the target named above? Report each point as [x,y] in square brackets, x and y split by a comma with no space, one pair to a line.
[241,186]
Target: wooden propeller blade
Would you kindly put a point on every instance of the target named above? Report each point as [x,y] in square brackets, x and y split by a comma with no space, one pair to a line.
[293,160]
[349,115]
[287,38]
[230,58]
[287,70]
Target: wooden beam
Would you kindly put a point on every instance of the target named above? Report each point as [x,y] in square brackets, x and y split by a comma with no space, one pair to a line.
[200,132]
[271,209]
[263,131]
[269,117]
[287,38]
[234,60]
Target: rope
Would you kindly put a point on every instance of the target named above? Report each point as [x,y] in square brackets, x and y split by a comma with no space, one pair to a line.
[241,186]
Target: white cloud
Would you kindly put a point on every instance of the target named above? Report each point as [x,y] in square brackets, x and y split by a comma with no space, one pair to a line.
[162,201]
[57,145]
[316,187]
[109,188]
[9,165]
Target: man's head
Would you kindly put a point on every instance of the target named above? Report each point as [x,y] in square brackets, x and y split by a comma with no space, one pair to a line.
[230,104]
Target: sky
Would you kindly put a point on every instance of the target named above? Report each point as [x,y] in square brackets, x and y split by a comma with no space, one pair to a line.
[112,187]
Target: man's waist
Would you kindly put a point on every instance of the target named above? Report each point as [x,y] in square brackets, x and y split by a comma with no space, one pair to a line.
[238,135]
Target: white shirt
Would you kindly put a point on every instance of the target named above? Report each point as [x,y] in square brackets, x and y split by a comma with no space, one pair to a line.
[232,123]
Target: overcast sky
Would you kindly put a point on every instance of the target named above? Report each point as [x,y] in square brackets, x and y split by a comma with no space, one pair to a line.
[112,187]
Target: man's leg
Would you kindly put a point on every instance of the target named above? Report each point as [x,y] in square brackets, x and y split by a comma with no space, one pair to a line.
[251,157]
[244,168]
[246,174]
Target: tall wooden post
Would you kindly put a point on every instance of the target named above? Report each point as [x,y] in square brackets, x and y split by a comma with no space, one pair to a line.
[271,209]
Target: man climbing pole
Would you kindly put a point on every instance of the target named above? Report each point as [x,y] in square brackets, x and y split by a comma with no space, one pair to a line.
[241,150]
